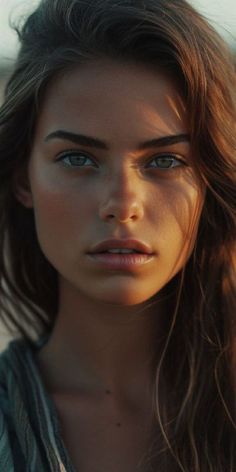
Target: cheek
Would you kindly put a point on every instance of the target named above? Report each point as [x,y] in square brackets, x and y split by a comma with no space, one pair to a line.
[185,211]
[177,220]
[60,208]
[181,202]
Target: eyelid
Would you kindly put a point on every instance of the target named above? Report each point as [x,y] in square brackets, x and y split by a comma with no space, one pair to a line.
[74,152]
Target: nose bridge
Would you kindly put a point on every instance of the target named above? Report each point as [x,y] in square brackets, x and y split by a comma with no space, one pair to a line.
[121,177]
[123,195]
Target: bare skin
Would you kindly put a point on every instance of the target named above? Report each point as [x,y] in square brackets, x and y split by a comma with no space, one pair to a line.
[97,364]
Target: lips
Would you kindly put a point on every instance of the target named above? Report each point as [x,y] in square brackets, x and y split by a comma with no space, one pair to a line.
[134,244]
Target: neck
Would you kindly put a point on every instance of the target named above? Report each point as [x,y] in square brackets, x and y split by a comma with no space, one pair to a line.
[97,347]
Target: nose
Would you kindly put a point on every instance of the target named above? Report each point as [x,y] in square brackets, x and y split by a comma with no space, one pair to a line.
[122,198]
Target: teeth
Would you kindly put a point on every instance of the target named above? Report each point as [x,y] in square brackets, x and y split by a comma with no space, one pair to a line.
[122,251]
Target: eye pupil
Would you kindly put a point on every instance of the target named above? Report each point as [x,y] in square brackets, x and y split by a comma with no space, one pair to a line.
[78,158]
[165,162]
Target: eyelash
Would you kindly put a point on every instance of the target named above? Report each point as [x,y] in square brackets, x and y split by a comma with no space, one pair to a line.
[68,154]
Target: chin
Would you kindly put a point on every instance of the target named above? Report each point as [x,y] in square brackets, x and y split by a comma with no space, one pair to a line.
[124,297]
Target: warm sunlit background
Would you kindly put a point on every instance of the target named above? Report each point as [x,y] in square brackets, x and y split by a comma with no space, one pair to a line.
[221,13]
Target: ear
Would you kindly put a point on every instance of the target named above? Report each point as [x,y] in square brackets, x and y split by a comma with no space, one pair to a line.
[22,189]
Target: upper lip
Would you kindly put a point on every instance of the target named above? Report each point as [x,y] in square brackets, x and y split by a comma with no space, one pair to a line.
[139,246]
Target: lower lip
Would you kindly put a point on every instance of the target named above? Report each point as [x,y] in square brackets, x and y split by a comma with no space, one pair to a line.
[121,261]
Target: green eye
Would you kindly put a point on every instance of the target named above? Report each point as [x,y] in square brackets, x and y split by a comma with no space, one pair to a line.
[167,161]
[74,159]
[78,159]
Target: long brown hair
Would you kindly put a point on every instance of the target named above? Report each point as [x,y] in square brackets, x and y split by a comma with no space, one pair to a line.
[193,392]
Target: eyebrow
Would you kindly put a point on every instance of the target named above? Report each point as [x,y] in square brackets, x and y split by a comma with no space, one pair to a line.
[97,143]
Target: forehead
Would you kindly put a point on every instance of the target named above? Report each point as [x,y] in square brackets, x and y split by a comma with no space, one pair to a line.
[124,98]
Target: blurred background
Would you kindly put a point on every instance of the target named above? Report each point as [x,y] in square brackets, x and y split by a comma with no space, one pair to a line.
[221,14]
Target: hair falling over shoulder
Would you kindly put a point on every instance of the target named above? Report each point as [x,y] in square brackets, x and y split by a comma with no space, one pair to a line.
[195,376]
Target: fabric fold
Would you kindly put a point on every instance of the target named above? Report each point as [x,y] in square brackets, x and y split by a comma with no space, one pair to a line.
[30,435]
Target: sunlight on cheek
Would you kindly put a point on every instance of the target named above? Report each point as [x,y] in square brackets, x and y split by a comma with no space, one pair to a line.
[186,213]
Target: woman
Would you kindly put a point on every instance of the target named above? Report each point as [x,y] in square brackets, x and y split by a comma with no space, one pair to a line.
[117,135]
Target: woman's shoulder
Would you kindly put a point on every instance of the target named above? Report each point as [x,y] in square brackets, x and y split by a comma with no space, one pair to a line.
[16,391]
[29,426]
[11,458]
[17,372]
[7,439]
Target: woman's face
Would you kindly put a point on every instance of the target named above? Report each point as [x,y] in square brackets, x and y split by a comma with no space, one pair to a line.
[84,194]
